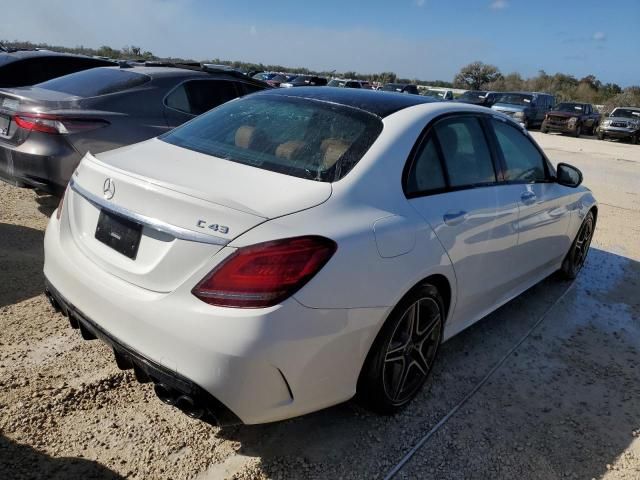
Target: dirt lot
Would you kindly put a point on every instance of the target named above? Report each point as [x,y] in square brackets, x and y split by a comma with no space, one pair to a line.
[565,404]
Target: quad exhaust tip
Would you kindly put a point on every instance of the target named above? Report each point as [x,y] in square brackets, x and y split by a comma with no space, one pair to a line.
[194,406]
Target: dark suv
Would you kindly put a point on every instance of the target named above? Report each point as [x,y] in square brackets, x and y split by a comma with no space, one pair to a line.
[45,130]
[19,68]
[573,118]
[526,108]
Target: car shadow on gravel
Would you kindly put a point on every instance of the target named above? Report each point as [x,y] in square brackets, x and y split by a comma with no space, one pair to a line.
[561,404]
[21,461]
[21,261]
[47,204]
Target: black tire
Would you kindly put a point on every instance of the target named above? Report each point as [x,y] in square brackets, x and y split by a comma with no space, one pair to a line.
[601,136]
[634,140]
[594,130]
[577,255]
[578,131]
[544,128]
[404,352]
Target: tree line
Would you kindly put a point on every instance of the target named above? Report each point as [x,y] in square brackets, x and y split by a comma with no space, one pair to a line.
[480,76]
[475,76]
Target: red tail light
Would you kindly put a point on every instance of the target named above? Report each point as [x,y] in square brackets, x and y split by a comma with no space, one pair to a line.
[58,124]
[263,275]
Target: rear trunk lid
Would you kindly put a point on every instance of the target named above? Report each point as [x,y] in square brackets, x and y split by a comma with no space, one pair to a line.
[189,205]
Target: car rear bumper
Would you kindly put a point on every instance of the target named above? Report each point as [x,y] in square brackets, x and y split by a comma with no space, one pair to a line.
[48,170]
[174,386]
[261,364]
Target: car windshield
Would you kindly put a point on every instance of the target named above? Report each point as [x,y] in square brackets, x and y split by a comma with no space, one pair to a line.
[516,99]
[434,93]
[278,78]
[300,137]
[473,95]
[626,113]
[264,76]
[96,81]
[570,107]
[301,80]
[393,87]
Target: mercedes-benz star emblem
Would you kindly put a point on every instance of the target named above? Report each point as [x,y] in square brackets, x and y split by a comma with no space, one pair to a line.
[109,188]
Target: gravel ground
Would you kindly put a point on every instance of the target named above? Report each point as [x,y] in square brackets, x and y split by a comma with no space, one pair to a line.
[564,405]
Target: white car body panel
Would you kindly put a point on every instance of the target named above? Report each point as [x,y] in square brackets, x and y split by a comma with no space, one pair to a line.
[315,342]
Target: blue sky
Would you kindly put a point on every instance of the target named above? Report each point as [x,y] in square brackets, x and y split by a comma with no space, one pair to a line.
[424,39]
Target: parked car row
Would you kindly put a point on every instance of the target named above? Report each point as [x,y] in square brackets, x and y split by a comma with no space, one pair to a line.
[46,129]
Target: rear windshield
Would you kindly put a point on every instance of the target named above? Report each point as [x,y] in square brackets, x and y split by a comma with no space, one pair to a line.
[296,136]
[97,81]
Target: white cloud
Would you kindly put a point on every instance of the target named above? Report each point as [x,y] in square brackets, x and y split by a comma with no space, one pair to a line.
[253,30]
[419,3]
[499,4]
[178,28]
[599,36]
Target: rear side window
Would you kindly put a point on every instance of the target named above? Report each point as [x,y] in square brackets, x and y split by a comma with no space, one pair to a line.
[299,137]
[198,96]
[523,160]
[97,81]
[465,152]
[426,172]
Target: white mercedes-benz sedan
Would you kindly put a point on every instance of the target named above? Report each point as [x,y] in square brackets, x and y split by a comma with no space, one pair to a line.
[289,250]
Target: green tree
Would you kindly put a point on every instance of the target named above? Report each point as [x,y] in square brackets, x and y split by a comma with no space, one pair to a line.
[476,75]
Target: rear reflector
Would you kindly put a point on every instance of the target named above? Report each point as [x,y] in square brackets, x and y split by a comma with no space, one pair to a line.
[265,274]
[58,124]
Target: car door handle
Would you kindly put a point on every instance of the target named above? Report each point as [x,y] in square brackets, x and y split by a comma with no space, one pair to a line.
[454,218]
[528,197]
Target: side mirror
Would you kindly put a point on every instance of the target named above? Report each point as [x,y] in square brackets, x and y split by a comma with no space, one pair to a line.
[568,175]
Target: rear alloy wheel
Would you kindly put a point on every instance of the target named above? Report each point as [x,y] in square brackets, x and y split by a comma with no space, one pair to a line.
[577,255]
[404,352]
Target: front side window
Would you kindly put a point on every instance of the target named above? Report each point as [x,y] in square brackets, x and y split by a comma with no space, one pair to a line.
[465,152]
[198,96]
[299,137]
[523,160]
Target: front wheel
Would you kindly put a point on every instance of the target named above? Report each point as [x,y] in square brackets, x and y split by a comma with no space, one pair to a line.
[404,352]
[544,128]
[578,131]
[634,139]
[600,136]
[574,260]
